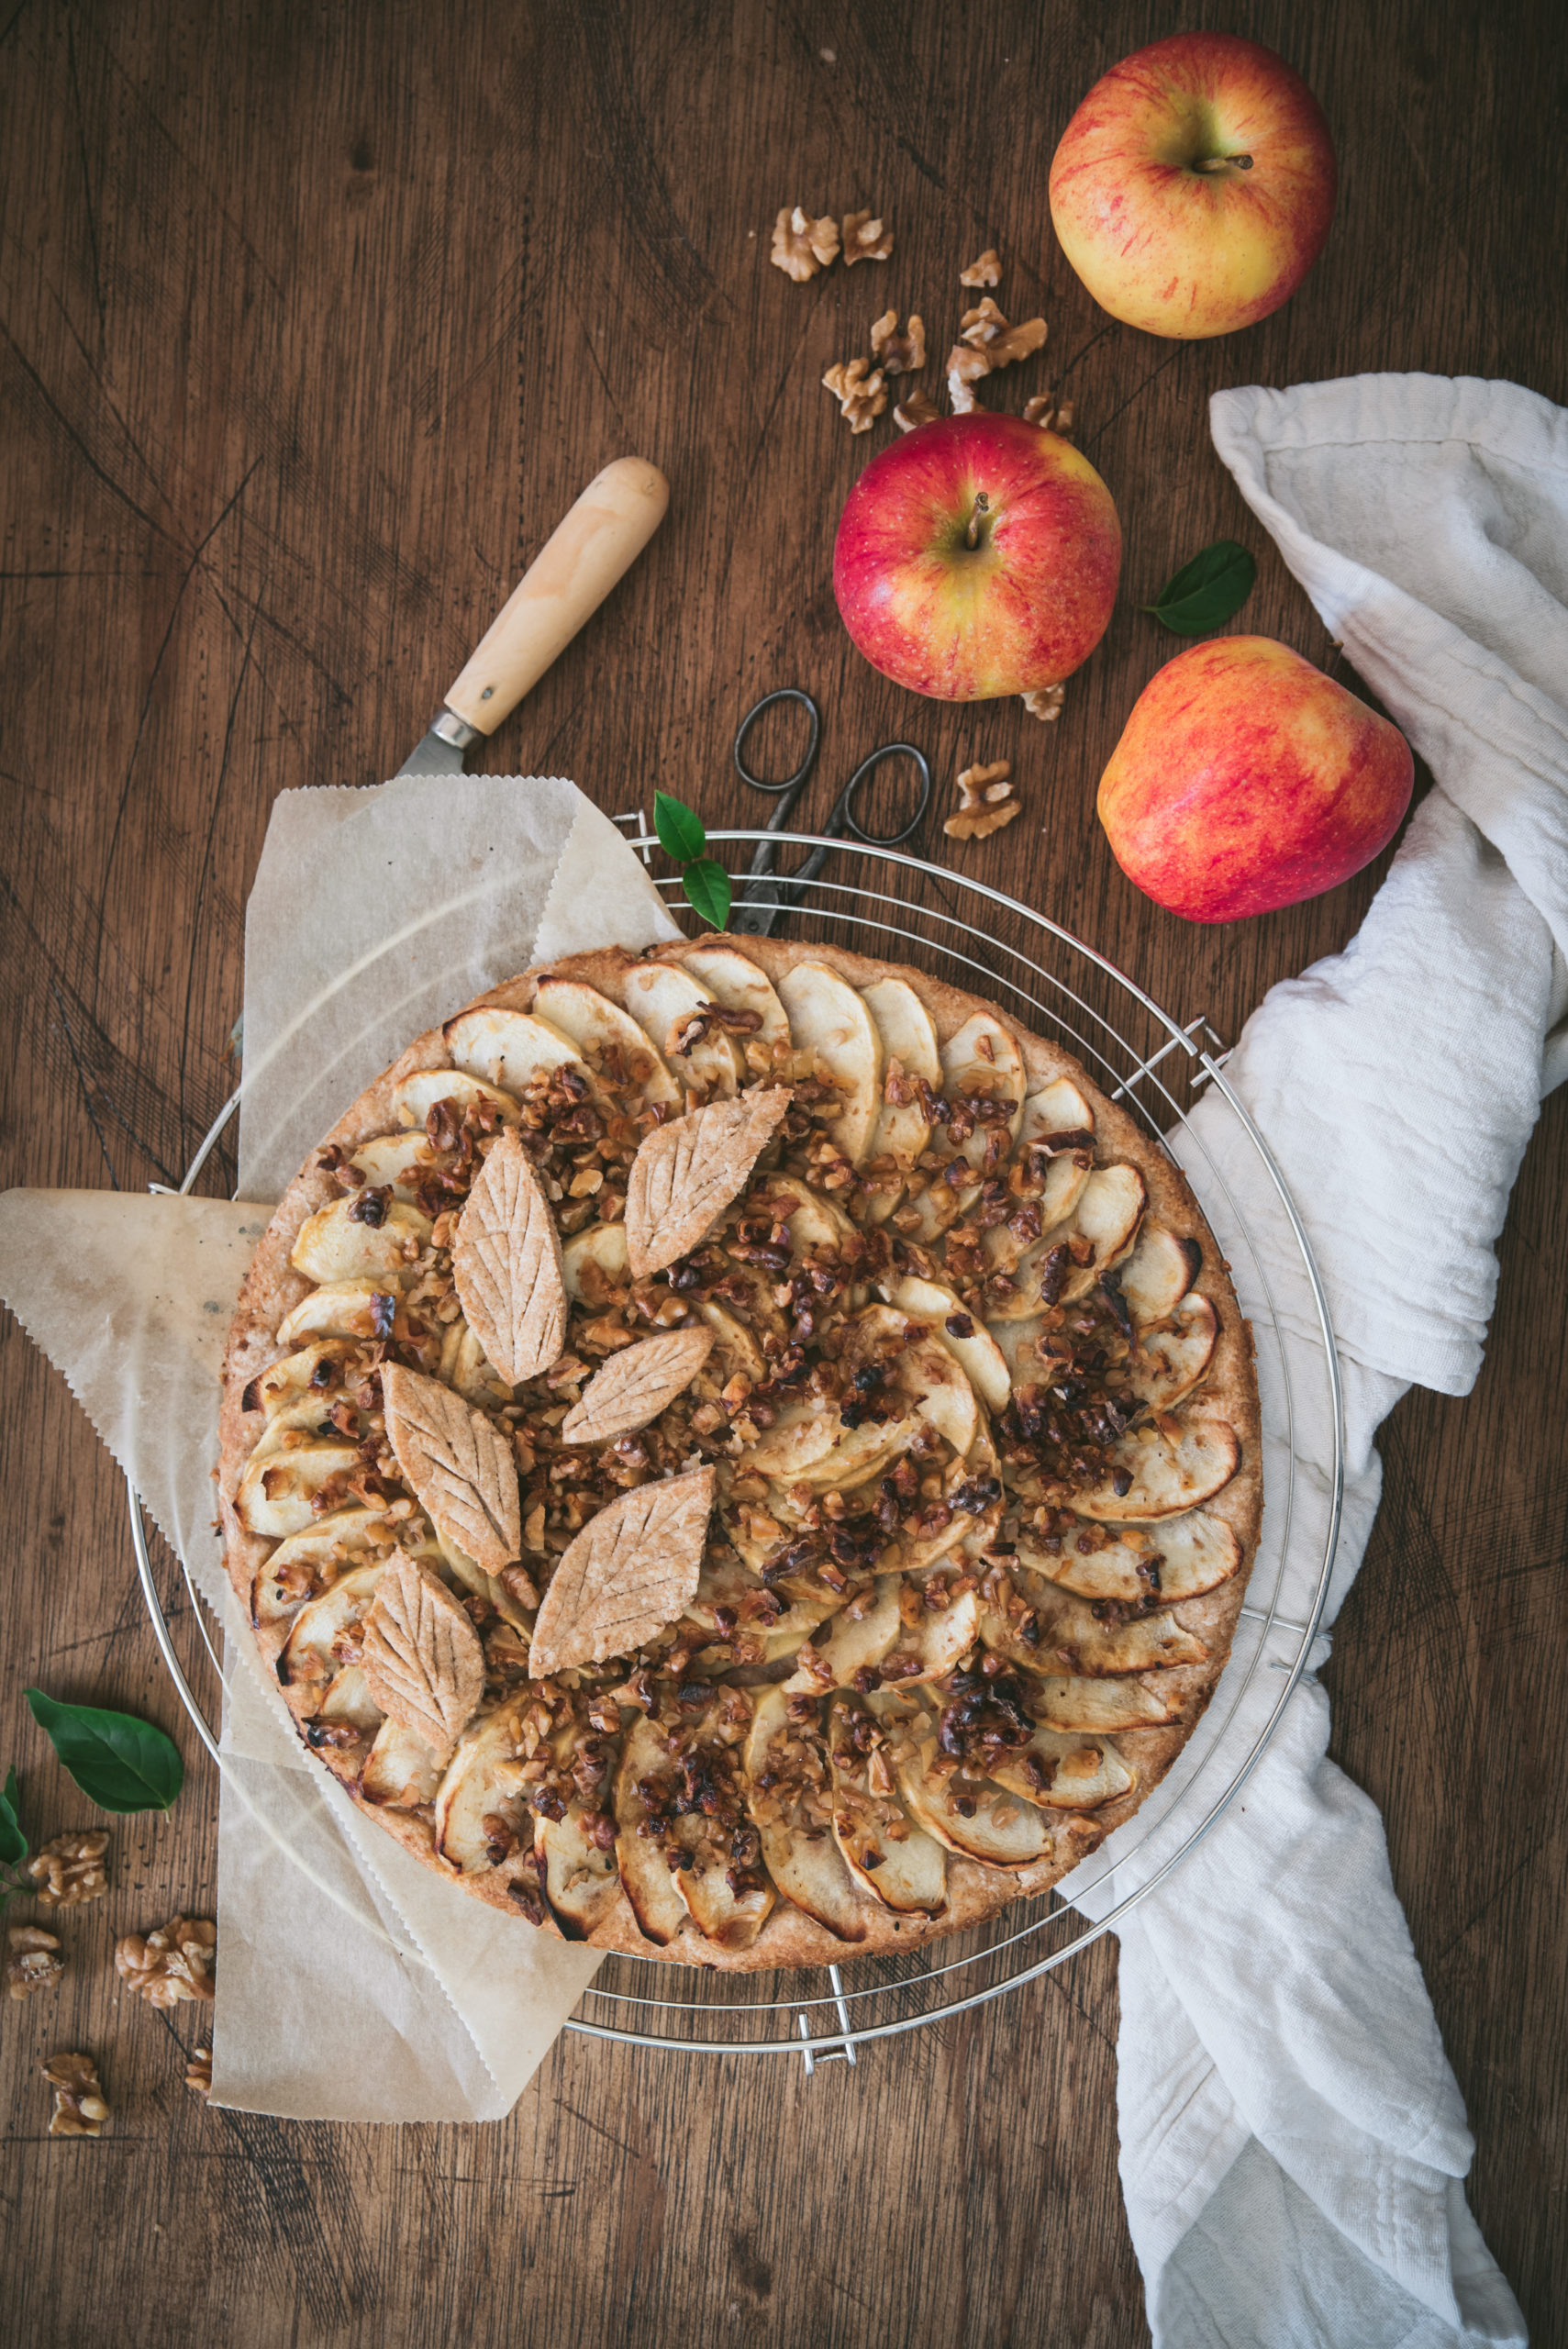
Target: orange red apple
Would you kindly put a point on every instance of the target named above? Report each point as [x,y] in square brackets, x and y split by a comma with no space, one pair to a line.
[1245,779]
[1194,188]
[977,556]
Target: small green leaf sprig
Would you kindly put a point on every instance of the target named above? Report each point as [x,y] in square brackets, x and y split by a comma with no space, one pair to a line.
[121,1763]
[681,835]
[1207,592]
[13,1845]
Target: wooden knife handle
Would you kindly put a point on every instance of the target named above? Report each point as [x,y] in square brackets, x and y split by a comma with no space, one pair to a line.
[569,578]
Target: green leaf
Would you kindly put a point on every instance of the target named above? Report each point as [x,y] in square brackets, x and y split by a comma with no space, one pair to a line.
[13,1843]
[707,890]
[119,1763]
[681,834]
[1207,591]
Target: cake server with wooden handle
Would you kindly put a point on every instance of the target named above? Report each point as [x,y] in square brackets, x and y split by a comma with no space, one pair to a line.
[599,540]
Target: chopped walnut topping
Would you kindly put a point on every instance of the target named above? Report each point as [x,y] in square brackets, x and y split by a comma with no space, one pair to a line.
[865,238]
[80,2107]
[860,390]
[985,802]
[1045,702]
[70,1869]
[173,1963]
[198,2072]
[801,245]
[895,353]
[986,271]
[913,411]
[33,1961]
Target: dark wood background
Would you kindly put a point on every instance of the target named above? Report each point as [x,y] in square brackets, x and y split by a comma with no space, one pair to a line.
[313,320]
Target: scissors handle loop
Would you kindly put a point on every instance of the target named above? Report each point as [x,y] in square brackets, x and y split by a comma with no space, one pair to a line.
[791,784]
[845,810]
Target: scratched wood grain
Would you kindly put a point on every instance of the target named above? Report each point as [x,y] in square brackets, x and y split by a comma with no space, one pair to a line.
[312,321]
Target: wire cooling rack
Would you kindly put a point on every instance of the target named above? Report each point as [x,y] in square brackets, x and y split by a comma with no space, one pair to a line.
[882,902]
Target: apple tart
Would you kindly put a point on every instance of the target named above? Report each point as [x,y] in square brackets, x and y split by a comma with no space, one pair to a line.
[740,1456]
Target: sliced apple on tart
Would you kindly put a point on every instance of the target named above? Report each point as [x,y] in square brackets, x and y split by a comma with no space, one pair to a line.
[1156,1470]
[788,1781]
[507,1050]
[832,1022]
[606,1036]
[358,1238]
[671,1008]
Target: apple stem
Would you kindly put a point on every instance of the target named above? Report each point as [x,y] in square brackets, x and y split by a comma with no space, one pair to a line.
[972,529]
[1224,163]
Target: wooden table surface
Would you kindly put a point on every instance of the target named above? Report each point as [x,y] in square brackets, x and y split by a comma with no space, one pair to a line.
[313,320]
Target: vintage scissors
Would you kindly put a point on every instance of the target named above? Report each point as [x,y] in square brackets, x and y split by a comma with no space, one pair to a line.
[768,896]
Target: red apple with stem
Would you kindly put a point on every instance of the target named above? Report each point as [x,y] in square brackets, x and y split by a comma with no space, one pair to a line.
[1245,780]
[976,557]
[1194,188]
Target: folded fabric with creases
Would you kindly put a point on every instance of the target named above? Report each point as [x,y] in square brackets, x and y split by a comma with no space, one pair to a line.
[1293,2140]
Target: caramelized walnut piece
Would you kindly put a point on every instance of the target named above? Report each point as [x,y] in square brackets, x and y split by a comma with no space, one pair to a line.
[71,1869]
[198,2072]
[860,390]
[801,245]
[895,353]
[33,1961]
[865,238]
[1045,702]
[986,271]
[914,410]
[172,1963]
[81,2107]
[985,802]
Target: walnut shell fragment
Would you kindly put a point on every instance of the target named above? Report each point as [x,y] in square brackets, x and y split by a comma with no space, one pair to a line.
[507,1266]
[80,2107]
[461,1466]
[628,1573]
[685,1173]
[633,1386]
[423,1662]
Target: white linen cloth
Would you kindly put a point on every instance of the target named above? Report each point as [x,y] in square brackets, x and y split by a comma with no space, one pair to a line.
[1293,2141]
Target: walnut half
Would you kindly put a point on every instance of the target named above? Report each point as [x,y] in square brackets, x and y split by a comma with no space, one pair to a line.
[172,1963]
[801,245]
[895,353]
[71,1869]
[985,802]
[860,390]
[198,2072]
[913,411]
[865,238]
[33,1961]
[986,271]
[1045,702]
[80,2107]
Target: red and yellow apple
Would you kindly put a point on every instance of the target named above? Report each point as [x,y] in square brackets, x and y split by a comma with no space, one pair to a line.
[1194,188]
[1245,779]
[977,556]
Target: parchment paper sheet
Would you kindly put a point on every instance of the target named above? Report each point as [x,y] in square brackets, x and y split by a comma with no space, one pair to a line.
[373,915]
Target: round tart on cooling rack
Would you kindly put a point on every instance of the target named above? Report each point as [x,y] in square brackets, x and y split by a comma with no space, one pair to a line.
[742,1456]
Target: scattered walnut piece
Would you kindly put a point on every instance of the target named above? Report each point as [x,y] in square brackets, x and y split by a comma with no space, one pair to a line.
[71,1869]
[801,245]
[985,802]
[895,353]
[33,1961]
[198,2072]
[914,410]
[860,390]
[986,271]
[964,369]
[1045,702]
[80,2107]
[865,238]
[1051,415]
[172,1963]
[979,327]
